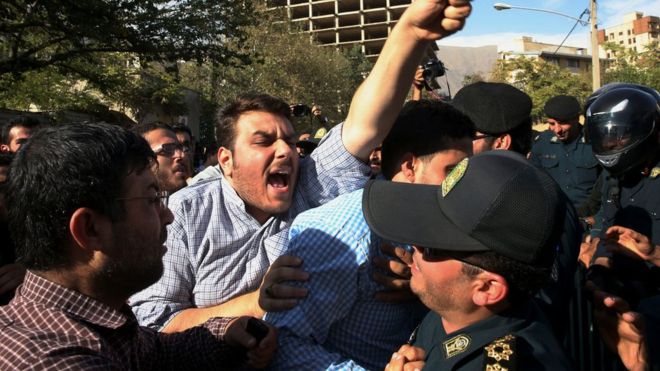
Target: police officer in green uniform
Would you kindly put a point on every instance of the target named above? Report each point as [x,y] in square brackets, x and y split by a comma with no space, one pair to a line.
[563,152]
[480,254]
[623,128]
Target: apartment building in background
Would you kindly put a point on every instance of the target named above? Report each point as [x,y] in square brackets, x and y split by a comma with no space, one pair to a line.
[346,23]
[635,32]
[575,59]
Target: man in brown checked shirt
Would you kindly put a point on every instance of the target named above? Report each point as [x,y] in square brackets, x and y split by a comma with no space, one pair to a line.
[89,219]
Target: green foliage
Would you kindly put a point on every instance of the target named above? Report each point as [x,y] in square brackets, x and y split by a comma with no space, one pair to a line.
[37,34]
[82,55]
[541,80]
[633,66]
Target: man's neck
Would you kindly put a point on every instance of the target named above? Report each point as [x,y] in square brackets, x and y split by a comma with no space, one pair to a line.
[73,280]
[453,321]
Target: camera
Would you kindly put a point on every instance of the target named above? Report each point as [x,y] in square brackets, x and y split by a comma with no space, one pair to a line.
[300,110]
[432,70]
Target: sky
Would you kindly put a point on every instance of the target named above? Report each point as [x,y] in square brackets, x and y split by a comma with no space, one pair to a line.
[487,26]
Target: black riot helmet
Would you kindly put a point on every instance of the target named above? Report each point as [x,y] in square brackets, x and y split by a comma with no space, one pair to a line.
[622,126]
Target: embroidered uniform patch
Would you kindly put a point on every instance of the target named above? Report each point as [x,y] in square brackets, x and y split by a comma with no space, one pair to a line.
[655,172]
[454,176]
[456,345]
[499,355]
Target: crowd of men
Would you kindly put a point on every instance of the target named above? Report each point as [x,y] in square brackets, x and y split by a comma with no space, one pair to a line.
[420,235]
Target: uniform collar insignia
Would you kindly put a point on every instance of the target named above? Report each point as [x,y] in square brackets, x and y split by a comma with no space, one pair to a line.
[456,345]
[500,354]
[654,172]
[553,139]
[454,176]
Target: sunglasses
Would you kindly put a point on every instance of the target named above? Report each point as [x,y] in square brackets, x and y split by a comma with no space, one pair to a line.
[169,149]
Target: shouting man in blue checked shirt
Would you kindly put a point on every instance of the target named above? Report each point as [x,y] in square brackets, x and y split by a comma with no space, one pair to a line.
[229,230]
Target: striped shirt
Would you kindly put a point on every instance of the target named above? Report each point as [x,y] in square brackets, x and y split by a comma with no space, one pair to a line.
[50,327]
[216,251]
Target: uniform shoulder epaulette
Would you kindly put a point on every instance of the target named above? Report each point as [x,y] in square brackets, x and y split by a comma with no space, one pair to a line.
[501,354]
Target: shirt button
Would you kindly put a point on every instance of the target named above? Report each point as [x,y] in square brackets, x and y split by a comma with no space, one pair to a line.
[566,171]
[632,200]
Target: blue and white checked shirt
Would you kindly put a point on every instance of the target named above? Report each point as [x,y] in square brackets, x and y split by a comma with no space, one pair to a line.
[217,251]
[340,325]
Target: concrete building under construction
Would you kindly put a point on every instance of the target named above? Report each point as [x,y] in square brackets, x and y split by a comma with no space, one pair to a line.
[346,23]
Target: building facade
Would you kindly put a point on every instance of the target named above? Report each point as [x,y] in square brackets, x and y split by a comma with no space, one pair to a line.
[636,32]
[346,23]
[575,59]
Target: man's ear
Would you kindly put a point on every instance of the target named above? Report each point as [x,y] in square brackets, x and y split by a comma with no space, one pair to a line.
[406,171]
[4,148]
[89,230]
[226,161]
[489,289]
[502,142]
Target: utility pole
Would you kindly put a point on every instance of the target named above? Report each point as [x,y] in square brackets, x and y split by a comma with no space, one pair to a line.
[595,57]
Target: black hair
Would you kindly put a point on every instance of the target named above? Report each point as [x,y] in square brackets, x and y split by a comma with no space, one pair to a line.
[61,169]
[523,280]
[143,129]
[227,118]
[521,137]
[22,121]
[181,128]
[6,158]
[423,128]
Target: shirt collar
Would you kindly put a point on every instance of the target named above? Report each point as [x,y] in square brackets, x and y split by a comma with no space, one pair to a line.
[80,306]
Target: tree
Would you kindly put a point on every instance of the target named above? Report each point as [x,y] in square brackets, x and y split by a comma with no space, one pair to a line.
[541,80]
[631,66]
[92,54]
[41,33]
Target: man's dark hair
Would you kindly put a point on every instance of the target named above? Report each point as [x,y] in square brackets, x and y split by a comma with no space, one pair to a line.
[181,128]
[6,158]
[523,280]
[23,121]
[61,169]
[423,128]
[227,118]
[143,129]
[521,137]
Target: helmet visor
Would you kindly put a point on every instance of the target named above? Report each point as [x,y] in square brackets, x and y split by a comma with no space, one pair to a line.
[611,133]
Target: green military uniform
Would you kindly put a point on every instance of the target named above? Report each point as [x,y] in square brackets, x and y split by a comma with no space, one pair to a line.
[572,165]
[517,339]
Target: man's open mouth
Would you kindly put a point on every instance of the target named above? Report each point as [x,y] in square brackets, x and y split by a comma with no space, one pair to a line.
[279,179]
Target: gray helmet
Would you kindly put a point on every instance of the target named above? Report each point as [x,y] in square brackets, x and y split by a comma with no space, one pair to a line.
[621,123]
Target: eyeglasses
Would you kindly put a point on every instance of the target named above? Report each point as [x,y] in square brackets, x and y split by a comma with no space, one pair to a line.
[161,199]
[169,149]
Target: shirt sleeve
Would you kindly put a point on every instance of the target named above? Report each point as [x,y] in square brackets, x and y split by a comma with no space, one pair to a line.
[331,170]
[333,268]
[199,348]
[156,305]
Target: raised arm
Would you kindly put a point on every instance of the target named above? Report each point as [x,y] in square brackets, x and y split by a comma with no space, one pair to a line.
[378,100]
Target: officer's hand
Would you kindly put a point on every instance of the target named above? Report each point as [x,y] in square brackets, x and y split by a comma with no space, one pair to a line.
[275,296]
[634,244]
[430,20]
[407,358]
[621,329]
[587,249]
[397,279]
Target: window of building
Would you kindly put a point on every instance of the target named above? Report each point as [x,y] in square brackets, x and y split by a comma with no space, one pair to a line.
[573,63]
[620,33]
[628,32]
[612,35]
[609,56]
